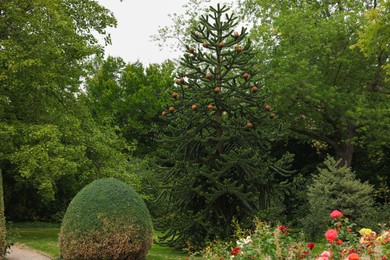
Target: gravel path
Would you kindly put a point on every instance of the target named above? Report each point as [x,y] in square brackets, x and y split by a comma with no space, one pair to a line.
[20,252]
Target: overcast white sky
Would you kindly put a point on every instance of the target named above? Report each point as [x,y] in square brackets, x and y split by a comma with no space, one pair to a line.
[137,21]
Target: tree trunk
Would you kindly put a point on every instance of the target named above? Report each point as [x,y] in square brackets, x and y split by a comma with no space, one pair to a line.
[219,132]
[344,149]
[344,153]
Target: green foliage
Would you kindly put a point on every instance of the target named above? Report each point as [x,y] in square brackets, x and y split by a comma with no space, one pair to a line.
[106,220]
[327,91]
[46,131]
[374,36]
[3,231]
[373,42]
[49,163]
[128,97]
[336,187]
[216,144]
[12,235]
[378,218]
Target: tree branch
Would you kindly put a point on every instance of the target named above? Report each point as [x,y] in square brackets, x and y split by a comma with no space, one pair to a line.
[315,136]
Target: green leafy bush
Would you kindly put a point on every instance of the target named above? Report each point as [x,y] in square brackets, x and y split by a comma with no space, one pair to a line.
[3,242]
[336,187]
[106,220]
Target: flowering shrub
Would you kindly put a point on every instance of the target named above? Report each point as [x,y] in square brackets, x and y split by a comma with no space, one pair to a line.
[345,244]
[264,242]
[267,242]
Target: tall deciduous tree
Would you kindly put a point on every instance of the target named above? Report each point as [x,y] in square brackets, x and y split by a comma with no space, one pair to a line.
[129,97]
[46,131]
[374,43]
[218,139]
[322,84]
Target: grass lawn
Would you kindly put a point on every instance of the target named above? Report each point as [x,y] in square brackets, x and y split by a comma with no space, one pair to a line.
[44,237]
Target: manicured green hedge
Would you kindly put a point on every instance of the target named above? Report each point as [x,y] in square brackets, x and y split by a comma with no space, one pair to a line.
[106,220]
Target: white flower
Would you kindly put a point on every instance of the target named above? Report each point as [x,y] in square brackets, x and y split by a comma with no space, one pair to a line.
[244,241]
[248,240]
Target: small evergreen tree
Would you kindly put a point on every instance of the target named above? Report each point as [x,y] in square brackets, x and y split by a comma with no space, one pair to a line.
[217,142]
[336,187]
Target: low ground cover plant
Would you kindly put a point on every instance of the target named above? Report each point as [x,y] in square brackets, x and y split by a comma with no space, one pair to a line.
[343,241]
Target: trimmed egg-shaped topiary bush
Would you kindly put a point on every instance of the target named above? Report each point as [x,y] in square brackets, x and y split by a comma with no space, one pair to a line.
[107,219]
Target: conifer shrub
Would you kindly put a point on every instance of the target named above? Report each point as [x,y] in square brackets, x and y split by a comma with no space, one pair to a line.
[336,187]
[107,219]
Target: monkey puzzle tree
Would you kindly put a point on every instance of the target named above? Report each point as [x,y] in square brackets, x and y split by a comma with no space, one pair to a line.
[216,147]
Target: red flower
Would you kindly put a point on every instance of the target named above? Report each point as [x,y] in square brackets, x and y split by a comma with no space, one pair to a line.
[339,242]
[336,214]
[310,245]
[339,224]
[283,228]
[353,256]
[235,251]
[330,235]
[349,229]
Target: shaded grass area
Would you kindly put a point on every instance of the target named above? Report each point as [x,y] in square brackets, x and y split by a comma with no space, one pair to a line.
[41,239]
[44,237]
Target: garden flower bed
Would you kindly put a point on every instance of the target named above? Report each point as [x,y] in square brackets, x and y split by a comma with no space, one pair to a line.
[267,242]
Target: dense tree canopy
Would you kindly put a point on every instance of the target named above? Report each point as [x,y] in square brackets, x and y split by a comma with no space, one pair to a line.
[129,97]
[327,90]
[46,130]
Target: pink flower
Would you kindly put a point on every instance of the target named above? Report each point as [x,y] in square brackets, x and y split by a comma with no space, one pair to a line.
[330,235]
[324,256]
[336,214]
